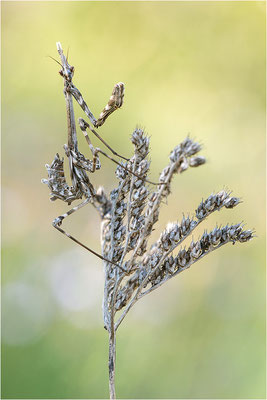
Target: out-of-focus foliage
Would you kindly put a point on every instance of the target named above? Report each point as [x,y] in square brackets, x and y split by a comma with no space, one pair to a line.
[188,67]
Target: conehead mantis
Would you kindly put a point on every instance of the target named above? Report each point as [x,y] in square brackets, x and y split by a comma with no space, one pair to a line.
[79,165]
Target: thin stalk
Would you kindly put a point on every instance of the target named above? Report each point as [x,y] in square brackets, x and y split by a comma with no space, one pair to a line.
[111,362]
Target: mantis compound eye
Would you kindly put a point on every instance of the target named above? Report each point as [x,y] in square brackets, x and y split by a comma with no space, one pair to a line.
[69,73]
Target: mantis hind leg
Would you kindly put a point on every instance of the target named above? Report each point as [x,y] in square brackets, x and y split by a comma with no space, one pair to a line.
[58,222]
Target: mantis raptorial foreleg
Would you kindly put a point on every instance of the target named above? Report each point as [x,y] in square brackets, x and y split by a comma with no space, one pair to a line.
[115,102]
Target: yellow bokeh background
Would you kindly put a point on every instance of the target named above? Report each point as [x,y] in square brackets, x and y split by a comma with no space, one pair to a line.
[193,68]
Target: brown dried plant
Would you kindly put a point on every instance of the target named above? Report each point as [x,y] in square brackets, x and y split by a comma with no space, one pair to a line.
[130,212]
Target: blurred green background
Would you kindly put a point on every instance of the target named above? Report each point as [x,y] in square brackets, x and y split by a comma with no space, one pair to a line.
[188,67]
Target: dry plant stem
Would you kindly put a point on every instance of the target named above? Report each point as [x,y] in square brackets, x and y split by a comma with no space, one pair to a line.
[112,343]
[156,204]
[136,296]
[130,212]
[112,360]
[112,329]
[112,334]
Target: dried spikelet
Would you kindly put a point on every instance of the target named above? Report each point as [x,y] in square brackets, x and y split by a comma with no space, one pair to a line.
[156,265]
